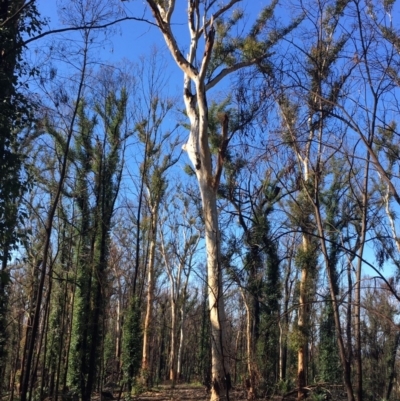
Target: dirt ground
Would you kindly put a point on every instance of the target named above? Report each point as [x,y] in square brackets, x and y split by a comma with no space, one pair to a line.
[187,392]
[183,392]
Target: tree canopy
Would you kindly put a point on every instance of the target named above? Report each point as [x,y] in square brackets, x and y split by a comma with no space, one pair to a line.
[199,192]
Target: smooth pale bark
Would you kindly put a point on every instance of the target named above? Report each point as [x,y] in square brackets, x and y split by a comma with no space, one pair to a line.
[195,67]
[199,153]
[178,300]
[250,345]
[180,349]
[175,284]
[303,317]
[174,341]
[146,367]
[389,215]
[303,314]
[311,193]
[303,158]
[219,347]
[172,361]
[200,156]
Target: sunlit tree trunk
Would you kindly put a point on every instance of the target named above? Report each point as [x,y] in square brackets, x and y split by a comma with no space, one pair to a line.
[146,372]
[302,324]
[200,156]
[306,261]
[250,345]
[181,342]
[284,318]
[195,67]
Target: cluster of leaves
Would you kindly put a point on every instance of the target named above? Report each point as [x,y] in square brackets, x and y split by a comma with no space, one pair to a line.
[15,115]
[16,21]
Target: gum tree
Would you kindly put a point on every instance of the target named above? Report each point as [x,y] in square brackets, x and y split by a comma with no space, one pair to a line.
[213,54]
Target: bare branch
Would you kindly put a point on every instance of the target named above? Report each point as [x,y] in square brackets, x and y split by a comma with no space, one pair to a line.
[216,15]
[207,53]
[353,125]
[87,26]
[230,70]
[170,40]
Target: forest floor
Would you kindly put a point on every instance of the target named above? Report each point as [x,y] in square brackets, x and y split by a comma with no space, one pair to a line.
[184,392]
[193,392]
[196,392]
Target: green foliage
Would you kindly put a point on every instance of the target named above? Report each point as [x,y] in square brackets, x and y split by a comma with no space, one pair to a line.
[15,116]
[284,386]
[157,160]
[289,112]
[383,339]
[98,174]
[132,343]
[262,265]
[390,34]
[216,113]
[230,49]
[307,258]
[386,142]
[298,337]
[265,15]
[330,369]
[139,386]
[319,396]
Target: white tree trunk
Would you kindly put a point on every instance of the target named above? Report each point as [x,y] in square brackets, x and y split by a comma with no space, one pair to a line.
[172,356]
[180,350]
[250,345]
[199,153]
[147,332]
[219,350]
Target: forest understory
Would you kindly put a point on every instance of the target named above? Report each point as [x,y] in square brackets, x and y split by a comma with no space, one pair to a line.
[197,392]
[206,190]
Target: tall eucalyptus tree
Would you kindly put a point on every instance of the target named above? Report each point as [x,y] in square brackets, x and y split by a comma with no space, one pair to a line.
[213,54]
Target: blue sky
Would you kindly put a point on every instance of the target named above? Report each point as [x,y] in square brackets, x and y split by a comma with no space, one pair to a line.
[132,39]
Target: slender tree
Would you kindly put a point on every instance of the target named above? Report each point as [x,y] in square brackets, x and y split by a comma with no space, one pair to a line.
[179,244]
[202,73]
[101,160]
